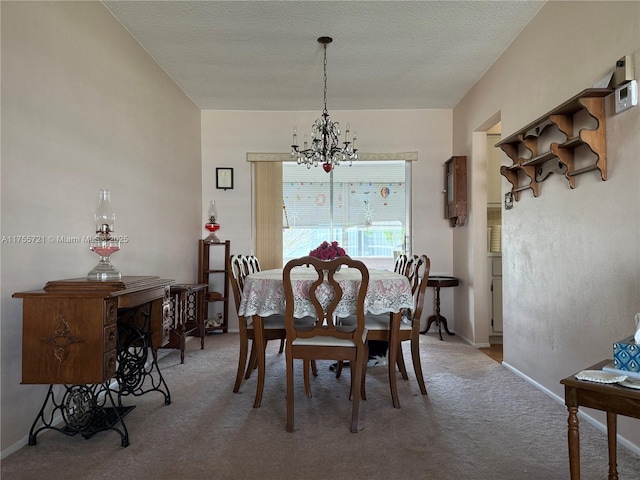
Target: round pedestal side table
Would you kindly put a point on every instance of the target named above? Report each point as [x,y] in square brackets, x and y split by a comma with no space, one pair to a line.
[437,282]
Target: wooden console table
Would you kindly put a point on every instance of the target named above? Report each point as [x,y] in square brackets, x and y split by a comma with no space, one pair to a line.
[437,282]
[81,333]
[611,398]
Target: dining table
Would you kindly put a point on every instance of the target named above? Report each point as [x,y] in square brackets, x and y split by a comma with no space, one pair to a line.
[263,296]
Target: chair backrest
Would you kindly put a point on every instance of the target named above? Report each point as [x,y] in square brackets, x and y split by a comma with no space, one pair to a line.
[414,263]
[251,264]
[418,273]
[239,267]
[401,264]
[326,323]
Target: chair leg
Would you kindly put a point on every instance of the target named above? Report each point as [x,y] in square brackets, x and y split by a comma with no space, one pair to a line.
[281,345]
[415,356]
[363,392]
[259,344]
[357,386]
[253,361]
[339,369]
[393,358]
[242,363]
[314,368]
[400,363]
[289,362]
[352,380]
[307,384]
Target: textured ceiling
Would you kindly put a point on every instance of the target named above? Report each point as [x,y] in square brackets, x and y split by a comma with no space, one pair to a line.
[264,55]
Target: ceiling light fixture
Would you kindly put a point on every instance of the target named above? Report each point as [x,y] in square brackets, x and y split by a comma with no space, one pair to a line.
[325,136]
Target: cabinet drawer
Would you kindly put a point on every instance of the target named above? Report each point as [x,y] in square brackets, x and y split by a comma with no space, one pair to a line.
[110,337]
[110,311]
[110,364]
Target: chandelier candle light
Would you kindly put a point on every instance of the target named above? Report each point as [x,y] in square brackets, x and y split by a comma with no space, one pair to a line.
[325,136]
[104,244]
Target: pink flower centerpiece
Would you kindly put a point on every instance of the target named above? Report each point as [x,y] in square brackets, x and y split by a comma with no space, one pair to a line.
[328,251]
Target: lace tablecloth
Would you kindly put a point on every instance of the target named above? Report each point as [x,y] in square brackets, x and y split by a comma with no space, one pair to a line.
[263,292]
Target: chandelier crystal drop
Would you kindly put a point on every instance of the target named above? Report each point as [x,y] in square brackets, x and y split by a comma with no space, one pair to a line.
[325,145]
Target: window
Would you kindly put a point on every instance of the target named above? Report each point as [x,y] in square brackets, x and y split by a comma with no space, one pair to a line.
[364,207]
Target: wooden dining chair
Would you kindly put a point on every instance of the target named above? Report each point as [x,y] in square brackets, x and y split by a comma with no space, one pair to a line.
[418,273]
[380,344]
[239,267]
[379,348]
[416,268]
[251,264]
[326,338]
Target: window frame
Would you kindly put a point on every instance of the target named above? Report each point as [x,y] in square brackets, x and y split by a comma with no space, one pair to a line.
[266,206]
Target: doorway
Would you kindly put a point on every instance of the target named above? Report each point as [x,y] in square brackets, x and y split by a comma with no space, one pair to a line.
[494,233]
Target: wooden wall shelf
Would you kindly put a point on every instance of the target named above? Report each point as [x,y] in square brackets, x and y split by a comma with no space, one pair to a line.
[533,162]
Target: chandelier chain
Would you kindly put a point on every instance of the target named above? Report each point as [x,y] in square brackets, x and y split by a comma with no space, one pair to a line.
[325,77]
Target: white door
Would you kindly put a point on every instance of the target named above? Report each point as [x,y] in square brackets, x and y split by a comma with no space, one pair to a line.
[496,301]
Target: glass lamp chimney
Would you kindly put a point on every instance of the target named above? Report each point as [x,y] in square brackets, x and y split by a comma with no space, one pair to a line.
[105,216]
[213,212]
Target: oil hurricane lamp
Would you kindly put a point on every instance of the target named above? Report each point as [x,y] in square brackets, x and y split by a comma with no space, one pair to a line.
[104,244]
[212,224]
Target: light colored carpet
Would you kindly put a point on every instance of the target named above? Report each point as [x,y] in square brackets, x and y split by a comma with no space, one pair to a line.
[479,421]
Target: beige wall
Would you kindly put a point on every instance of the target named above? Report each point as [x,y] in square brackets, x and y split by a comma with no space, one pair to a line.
[571,258]
[228,136]
[83,108]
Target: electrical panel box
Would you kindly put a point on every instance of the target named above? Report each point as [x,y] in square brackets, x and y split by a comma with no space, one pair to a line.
[624,71]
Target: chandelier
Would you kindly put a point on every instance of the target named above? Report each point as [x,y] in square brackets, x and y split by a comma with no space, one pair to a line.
[325,136]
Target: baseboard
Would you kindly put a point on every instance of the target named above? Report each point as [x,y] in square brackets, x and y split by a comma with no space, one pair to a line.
[599,425]
[58,421]
[474,344]
[15,447]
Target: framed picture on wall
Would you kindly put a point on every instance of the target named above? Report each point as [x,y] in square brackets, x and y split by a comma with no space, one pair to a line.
[224,178]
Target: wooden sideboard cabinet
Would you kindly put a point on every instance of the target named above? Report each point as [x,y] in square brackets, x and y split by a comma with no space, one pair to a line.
[69,328]
[81,334]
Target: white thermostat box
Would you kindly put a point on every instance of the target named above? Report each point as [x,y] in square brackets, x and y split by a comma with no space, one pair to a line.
[626,96]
